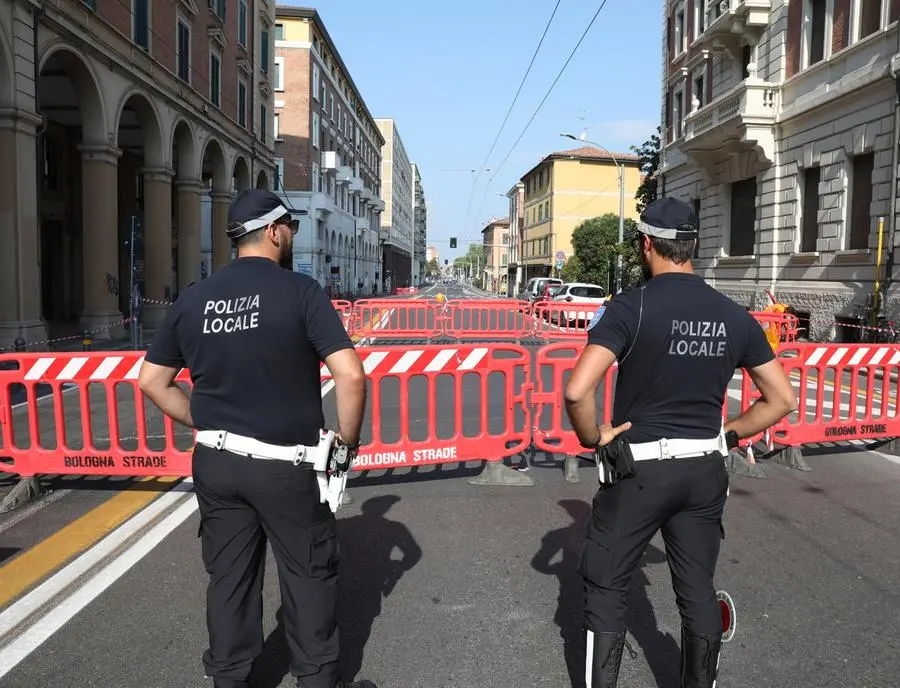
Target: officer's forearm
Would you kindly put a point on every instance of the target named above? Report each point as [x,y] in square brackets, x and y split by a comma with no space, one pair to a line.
[351,407]
[583,416]
[761,415]
[172,401]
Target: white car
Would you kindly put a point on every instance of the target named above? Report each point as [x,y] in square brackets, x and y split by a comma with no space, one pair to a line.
[585,299]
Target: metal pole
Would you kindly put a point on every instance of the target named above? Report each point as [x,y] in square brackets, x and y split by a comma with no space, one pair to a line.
[134,342]
[621,228]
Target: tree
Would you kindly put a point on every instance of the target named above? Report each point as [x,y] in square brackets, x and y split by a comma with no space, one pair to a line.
[648,153]
[432,269]
[472,263]
[596,246]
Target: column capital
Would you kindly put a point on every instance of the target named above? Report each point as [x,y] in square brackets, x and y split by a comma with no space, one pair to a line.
[18,119]
[157,174]
[221,196]
[100,153]
[191,186]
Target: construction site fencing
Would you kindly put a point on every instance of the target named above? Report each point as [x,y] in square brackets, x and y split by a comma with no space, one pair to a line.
[393,319]
[83,413]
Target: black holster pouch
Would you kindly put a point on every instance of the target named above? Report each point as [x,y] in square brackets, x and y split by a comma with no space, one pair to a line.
[615,461]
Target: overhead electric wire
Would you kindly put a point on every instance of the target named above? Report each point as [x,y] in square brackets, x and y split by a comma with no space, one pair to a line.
[549,90]
[508,112]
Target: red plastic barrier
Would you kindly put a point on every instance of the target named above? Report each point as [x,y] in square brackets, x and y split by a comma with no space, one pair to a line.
[779,327]
[487,318]
[562,320]
[393,319]
[345,310]
[439,430]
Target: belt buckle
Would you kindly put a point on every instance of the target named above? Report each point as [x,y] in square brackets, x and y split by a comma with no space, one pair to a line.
[220,440]
[664,449]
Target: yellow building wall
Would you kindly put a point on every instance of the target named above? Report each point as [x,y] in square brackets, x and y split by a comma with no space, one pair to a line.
[296,30]
[579,190]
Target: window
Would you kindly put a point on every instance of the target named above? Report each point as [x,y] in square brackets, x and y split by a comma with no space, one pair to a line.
[699,18]
[699,92]
[140,23]
[183,51]
[678,110]
[809,220]
[861,201]
[219,6]
[242,23]
[746,56]
[816,37]
[215,78]
[316,178]
[679,32]
[316,133]
[317,77]
[278,76]
[743,217]
[279,32]
[275,126]
[279,174]
[506,239]
[242,103]
[869,17]
[263,116]
[265,57]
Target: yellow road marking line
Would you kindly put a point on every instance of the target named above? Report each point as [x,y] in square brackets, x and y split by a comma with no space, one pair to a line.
[37,563]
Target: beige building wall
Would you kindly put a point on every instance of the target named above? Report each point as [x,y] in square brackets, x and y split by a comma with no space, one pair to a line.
[495,240]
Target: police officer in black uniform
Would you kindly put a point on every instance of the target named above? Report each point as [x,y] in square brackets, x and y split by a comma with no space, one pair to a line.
[678,343]
[253,335]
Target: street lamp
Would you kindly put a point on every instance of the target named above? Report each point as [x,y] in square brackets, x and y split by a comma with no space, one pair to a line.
[621,171]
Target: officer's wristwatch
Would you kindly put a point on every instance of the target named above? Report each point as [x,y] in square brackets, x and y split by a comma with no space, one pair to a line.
[731,439]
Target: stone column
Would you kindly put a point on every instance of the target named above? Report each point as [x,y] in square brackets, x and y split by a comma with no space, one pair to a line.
[158,273]
[20,269]
[100,241]
[190,194]
[221,244]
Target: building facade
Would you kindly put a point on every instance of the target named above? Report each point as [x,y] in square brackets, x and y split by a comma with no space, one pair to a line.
[780,123]
[495,240]
[328,155]
[514,279]
[397,218]
[420,227]
[562,191]
[116,119]
[431,253]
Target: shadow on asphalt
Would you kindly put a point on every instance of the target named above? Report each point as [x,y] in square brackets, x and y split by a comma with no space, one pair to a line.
[368,574]
[7,553]
[559,556]
[93,482]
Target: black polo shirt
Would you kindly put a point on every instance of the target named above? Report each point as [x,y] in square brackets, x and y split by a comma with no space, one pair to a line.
[678,342]
[253,335]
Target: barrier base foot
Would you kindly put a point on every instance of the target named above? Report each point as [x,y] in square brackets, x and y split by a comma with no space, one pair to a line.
[792,457]
[347,498]
[739,465]
[570,468]
[495,473]
[27,490]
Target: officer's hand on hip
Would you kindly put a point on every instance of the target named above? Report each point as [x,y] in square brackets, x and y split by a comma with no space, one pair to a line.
[606,433]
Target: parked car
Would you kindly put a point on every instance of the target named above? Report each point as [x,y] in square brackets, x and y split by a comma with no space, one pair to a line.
[539,288]
[585,299]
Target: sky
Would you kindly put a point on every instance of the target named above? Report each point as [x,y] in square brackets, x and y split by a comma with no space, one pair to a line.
[447,73]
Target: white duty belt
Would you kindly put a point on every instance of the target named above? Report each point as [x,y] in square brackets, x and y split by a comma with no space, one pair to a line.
[677,448]
[331,486]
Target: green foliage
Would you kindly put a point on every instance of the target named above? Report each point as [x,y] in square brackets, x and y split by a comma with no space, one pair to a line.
[596,247]
[649,155]
[432,269]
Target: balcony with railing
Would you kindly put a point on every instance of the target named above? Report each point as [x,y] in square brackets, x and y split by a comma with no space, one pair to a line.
[726,21]
[739,120]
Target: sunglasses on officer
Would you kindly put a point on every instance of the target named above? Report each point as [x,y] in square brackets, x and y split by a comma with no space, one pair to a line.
[287,221]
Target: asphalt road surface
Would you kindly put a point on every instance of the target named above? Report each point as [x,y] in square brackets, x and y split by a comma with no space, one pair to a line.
[449,584]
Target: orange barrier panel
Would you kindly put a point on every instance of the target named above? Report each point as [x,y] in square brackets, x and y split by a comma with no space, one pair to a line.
[394,319]
[561,320]
[779,327]
[444,429]
[487,318]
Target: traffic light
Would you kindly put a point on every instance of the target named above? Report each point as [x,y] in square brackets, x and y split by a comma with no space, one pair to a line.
[446,262]
[452,242]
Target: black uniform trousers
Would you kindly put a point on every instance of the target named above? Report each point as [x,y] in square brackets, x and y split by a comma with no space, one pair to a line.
[683,497]
[243,503]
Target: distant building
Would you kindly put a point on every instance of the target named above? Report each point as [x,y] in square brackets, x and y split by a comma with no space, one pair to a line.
[328,152]
[420,226]
[397,220]
[431,253]
[514,269]
[779,121]
[495,239]
[562,191]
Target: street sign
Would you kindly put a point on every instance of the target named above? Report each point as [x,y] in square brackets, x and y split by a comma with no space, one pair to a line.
[560,255]
[559,265]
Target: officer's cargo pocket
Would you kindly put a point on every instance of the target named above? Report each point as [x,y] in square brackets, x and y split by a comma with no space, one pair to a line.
[596,564]
[324,550]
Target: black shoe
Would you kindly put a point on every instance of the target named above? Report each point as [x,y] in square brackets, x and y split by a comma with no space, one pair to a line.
[607,657]
[699,660]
